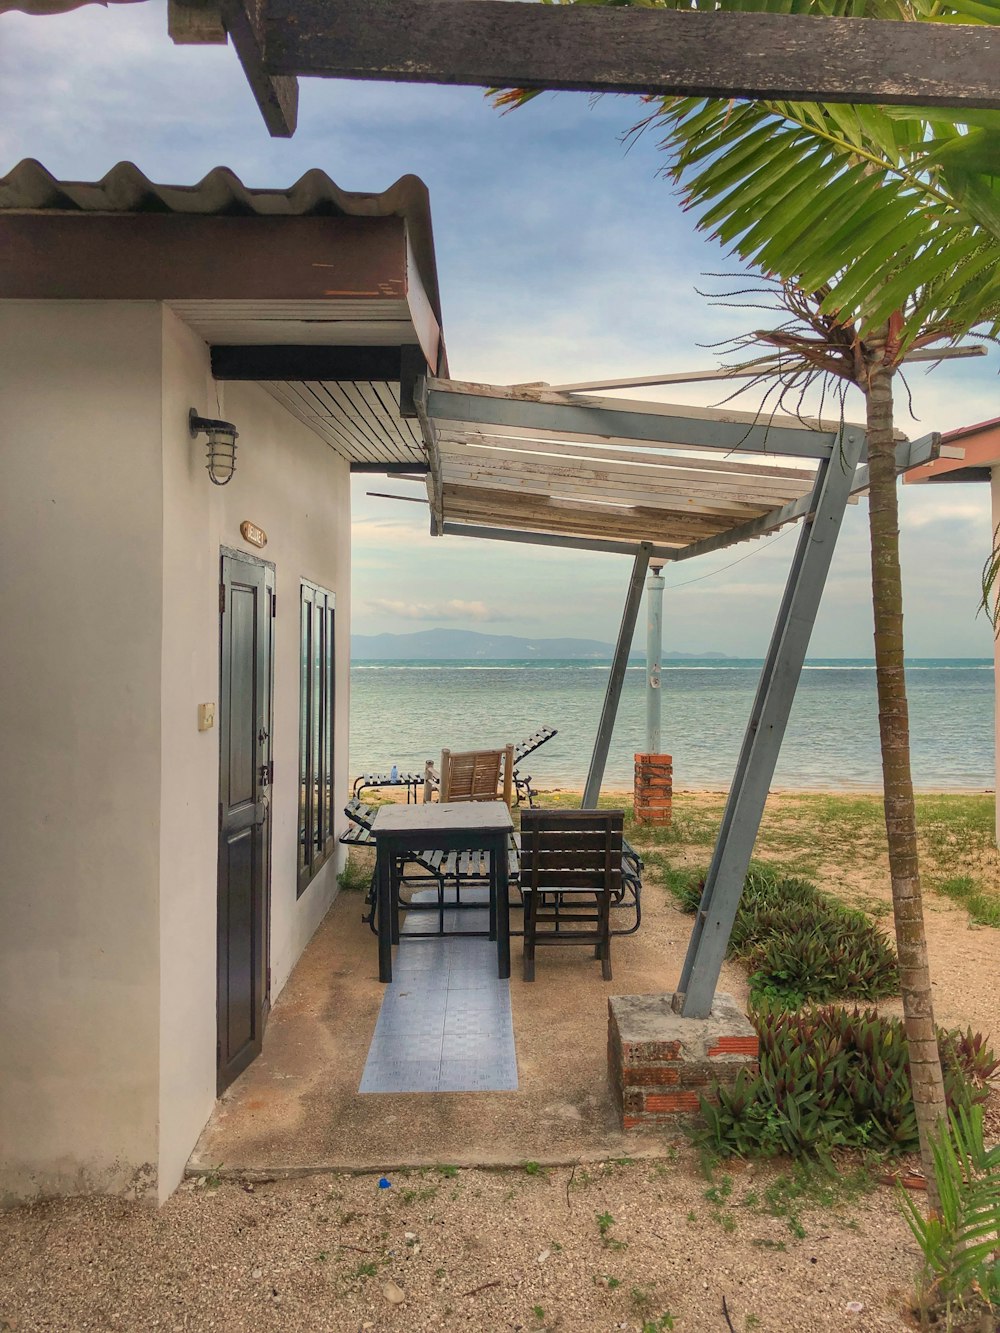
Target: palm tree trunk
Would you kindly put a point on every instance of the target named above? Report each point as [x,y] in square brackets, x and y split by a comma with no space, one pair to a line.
[900,814]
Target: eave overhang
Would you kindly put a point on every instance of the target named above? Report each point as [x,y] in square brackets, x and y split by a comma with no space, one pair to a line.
[978,450]
[327,297]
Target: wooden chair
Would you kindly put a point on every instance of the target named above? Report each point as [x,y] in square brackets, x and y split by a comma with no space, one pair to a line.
[569,857]
[475,775]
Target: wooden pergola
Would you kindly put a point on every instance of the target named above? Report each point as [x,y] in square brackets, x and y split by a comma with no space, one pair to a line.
[659,482]
[620,49]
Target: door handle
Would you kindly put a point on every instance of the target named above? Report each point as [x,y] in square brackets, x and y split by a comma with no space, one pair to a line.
[260,812]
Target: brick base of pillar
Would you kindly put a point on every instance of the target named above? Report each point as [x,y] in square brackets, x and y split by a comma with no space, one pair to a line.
[654,788]
[659,1063]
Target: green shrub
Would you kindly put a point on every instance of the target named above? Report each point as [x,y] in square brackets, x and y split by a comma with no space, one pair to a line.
[815,953]
[959,1245]
[831,1078]
[801,945]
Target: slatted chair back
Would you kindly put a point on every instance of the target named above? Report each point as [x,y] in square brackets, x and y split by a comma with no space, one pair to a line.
[477,775]
[567,856]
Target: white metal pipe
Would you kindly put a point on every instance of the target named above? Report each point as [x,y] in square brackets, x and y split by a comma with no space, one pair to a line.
[727,373]
[654,650]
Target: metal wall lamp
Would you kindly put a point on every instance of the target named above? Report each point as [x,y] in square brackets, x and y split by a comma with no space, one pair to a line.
[222,437]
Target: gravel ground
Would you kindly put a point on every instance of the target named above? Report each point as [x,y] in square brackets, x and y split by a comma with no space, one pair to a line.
[466,1249]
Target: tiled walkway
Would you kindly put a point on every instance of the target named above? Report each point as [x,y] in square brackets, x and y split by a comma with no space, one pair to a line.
[445,1021]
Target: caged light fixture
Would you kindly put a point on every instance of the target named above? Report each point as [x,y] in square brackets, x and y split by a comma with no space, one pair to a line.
[222,437]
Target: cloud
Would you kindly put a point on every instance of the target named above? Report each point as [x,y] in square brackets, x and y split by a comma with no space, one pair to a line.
[454,609]
[970,511]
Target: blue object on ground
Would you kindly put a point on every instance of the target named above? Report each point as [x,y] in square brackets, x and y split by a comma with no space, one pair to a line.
[384,1184]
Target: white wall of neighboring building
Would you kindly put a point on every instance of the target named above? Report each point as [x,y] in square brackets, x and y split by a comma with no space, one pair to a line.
[110,536]
[80,663]
[292,485]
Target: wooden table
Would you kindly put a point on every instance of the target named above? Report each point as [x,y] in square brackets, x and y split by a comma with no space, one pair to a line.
[449,826]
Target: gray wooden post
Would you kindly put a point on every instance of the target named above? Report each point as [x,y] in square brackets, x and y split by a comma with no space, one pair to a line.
[762,742]
[619,664]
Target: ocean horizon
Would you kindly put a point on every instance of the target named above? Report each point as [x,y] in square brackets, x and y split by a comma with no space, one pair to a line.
[405,712]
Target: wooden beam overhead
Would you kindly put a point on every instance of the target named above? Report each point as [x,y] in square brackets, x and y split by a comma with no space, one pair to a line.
[292,361]
[459,407]
[195,23]
[276,94]
[629,49]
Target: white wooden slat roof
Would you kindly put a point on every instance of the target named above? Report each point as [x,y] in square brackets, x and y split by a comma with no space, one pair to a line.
[674,476]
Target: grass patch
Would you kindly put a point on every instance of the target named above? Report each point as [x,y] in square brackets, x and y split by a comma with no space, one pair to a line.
[984,911]
[983,908]
[355,877]
[809,1186]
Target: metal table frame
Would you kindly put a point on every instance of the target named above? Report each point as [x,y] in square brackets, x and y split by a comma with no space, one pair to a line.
[449,826]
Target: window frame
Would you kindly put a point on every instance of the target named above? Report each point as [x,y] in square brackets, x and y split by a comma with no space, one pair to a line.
[317,819]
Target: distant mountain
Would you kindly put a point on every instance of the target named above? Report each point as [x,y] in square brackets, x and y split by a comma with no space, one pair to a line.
[467,644]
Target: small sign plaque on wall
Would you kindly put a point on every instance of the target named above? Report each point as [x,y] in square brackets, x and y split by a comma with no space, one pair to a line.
[252,534]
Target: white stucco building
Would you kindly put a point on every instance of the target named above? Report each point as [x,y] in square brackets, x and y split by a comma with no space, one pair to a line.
[174,695]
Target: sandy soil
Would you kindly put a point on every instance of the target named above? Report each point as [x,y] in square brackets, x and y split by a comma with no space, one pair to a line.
[475,1250]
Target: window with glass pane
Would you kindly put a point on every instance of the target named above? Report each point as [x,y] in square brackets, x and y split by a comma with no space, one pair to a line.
[317,676]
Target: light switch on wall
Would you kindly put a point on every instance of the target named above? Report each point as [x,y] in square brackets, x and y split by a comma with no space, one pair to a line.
[206,717]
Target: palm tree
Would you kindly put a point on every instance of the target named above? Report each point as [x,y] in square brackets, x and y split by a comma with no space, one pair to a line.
[851,209]
[880,231]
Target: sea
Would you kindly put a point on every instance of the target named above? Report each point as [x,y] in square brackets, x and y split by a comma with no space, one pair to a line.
[405,712]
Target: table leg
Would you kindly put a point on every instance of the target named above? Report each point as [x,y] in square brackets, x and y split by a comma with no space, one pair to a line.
[383,859]
[396,874]
[494,894]
[499,875]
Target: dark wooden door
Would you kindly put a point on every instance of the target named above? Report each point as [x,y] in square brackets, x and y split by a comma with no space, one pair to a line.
[246,604]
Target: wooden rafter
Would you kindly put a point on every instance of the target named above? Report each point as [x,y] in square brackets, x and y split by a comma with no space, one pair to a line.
[276,94]
[633,49]
[603,476]
[515,446]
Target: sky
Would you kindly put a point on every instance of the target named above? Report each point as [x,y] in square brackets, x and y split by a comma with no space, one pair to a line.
[563,256]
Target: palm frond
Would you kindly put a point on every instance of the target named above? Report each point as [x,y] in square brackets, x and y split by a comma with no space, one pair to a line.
[960,1244]
[852,198]
[893,209]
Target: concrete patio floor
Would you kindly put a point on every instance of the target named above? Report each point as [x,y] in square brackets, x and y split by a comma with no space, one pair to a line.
[297,1108]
